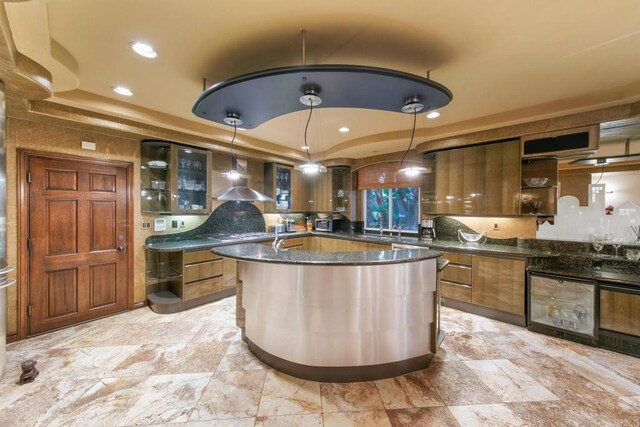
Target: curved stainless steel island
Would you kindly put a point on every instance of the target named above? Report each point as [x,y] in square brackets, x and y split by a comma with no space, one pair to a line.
[338,316]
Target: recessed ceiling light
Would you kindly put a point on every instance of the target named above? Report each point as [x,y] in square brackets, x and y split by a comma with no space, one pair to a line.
[121,90]
[433,115]
[305,147]
[343,129]
[144,49]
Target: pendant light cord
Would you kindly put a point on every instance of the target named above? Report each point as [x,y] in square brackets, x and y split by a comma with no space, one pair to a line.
[413,132]
[601,173]
[234,159]
[306,128]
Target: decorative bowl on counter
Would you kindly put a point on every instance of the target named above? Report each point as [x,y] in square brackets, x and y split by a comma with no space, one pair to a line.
[632,254]
[471,237]
[536,182]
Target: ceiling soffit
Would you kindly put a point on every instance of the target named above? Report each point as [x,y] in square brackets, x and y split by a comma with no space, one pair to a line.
[513,65]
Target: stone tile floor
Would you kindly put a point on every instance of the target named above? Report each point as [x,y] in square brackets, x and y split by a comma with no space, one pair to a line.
[192,368]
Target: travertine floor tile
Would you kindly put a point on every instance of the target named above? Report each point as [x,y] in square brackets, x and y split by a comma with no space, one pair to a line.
[39,402]
[350,397]
[408,391]
[237,422]
[286,395]
[154,359]
[86,362]
[233,394]
[611,412]
[508,381]
[606,378]
[192,368]
[483,415]
[456,384]
[356,419]
[564,383]
[306,420]
[239,358]
[412,417]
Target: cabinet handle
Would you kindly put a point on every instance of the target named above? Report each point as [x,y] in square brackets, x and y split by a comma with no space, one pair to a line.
[120,248]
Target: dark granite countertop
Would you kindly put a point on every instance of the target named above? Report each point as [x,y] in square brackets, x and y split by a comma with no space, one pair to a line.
[484,249]
[623,278]
[262,253]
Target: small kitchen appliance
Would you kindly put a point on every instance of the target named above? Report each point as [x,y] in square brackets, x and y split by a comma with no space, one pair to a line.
[428,229]
[328,224]
[289,225]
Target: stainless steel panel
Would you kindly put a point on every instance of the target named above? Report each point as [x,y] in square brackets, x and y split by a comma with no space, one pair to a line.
[340,315]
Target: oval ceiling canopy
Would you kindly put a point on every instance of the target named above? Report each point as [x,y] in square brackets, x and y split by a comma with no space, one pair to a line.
[259,97]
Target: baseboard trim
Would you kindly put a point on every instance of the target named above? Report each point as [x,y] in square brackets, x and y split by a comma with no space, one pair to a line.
[340,374]
[139,304]
[491,313]
[12,338]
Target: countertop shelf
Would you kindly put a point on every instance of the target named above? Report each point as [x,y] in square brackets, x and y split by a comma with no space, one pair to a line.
[164,273]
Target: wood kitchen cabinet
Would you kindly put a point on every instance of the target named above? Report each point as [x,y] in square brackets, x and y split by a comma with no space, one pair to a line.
[619,318]
[499,283]
[455,279]
[620,312]
[174,179]
[180,280]
[479,180]
[297,192]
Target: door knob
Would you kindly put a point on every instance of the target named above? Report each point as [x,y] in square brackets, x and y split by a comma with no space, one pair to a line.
[120,248]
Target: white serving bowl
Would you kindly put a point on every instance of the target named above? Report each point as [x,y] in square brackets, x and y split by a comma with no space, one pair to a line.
[536,182]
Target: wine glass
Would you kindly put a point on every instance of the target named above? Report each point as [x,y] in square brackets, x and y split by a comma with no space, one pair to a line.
[597,241]
[617,242]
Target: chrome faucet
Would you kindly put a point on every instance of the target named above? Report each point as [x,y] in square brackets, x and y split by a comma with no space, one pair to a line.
[277,243]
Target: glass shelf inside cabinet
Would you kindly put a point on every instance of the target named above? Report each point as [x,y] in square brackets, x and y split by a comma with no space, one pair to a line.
[192,180]
[155,159]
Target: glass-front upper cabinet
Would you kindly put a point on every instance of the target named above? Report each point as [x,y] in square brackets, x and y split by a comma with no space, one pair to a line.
[193,175]
[278,185]
[175,179]
[155,177]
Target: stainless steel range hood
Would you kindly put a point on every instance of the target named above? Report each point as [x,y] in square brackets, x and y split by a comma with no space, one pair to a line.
[241,192]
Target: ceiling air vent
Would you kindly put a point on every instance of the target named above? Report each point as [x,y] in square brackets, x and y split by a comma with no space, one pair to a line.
[565,143]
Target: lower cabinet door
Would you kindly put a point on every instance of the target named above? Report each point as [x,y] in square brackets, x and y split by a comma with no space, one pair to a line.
[203,287]
[499,283]
[620,312]
[455,291]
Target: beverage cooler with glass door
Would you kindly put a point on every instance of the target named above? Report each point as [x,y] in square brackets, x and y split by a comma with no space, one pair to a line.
[563,307]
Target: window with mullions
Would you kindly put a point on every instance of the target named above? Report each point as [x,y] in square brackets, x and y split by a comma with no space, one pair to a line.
[392,207]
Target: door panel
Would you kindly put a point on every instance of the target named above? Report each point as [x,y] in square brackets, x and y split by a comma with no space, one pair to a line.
[102,182]
[77,221]
[62,219]
[62,293]
[103,225]
[103,286]
[61,180]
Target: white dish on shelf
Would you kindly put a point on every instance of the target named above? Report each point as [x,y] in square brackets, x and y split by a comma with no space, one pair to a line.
[536,182]
[157,164]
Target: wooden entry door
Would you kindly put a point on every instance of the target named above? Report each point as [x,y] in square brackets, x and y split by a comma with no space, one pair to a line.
[78,255]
